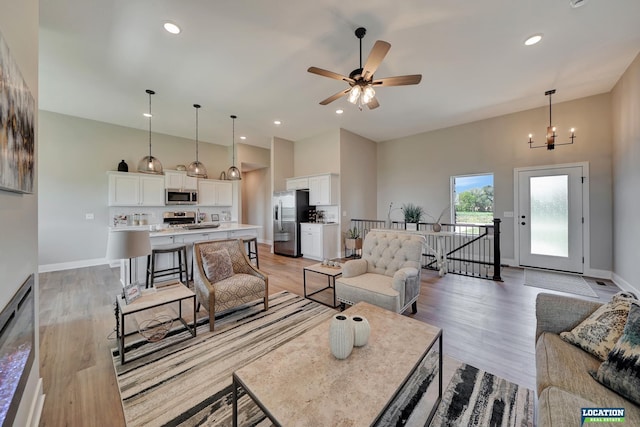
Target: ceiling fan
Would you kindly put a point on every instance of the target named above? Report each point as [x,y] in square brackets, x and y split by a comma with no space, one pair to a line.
[361,84]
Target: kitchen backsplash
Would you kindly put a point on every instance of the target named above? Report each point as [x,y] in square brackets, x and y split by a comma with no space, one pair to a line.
[117,214]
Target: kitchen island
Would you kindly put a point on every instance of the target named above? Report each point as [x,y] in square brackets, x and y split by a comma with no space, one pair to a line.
[181,234]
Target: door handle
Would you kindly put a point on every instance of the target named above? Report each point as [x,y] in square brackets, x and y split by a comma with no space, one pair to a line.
[523,223]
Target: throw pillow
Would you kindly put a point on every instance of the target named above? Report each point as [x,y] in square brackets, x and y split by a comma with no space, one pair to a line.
[217,265]
[621,371]
[599,332]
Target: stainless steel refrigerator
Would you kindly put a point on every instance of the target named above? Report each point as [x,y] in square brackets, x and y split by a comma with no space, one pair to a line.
[289,209]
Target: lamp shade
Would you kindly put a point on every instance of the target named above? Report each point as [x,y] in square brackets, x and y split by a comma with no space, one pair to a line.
[128,244]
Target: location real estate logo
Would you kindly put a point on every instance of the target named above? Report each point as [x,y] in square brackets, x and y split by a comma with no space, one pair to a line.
[602,415]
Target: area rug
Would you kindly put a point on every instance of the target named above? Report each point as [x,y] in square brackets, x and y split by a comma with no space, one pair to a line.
[562,282]
[190,383]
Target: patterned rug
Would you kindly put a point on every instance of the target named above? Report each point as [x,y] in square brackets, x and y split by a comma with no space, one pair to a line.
[189,384]
[562,282]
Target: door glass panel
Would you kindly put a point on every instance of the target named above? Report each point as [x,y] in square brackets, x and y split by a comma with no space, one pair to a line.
[550,215]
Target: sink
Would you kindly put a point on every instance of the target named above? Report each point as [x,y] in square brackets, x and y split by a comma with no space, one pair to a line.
[200,226]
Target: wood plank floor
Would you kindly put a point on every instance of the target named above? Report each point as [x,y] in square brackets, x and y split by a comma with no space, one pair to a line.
[487,324]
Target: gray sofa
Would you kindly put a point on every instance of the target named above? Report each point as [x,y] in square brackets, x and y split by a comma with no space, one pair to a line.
[564,385]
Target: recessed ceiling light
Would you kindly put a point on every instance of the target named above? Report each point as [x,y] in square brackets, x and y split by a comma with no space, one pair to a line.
[530,41]
[277,122]
[172,28]
[339,111]
[243,137]
[577,3]
[147,115]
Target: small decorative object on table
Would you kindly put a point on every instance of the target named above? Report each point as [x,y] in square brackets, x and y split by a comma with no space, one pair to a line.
[157,328]
[412,215]
[361,330]
[123,167]
[341,336]
[131,292]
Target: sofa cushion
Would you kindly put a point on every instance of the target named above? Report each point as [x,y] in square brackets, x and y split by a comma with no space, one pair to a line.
[238,289]
[621,371]
[217,265]
[599,332]
[559,408]
[373,288]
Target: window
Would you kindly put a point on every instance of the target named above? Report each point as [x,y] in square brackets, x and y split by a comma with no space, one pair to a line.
[472,199]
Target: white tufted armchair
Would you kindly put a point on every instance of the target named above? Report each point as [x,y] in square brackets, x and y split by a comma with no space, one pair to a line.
[387,275]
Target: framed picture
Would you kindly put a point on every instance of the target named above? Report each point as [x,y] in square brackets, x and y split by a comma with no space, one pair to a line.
[17,119]
[131,292]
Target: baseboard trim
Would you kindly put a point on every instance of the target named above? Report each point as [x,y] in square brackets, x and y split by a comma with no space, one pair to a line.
[37,403]
[598,274]
[624,285]
[45,268]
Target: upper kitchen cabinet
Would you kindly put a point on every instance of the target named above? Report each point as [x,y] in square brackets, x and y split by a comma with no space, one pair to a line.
[323,190]
[179,180]
[212,192]
[301,183]
[133,189]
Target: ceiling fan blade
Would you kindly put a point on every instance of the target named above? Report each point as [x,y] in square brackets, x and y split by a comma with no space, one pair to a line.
[334,97]
[412,79]
[330,74]
[376,56]
[373,103]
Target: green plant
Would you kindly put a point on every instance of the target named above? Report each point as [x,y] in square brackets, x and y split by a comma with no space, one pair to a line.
[412,213]
[353,233]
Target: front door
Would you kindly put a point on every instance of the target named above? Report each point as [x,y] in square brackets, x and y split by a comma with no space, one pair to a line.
[550,218]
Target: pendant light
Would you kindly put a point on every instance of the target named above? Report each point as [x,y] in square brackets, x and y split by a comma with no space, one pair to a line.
[197,169]
[551,131]
[149,164]
[233,174]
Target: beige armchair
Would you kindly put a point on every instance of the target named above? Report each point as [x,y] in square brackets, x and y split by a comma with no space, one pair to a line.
[224,278]
[387,275]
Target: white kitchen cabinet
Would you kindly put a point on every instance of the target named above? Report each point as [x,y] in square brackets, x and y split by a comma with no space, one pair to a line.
[323,190]
[319,241]
[213,192]
[301,183]
[179,180]
[133,189]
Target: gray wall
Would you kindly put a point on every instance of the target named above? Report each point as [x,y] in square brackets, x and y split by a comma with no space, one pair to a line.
[317,155]
[358,179]
[19,212]
[418,168]
[75,155]
[626,176]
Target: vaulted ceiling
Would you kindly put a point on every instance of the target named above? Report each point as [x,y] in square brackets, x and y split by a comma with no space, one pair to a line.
[250,58]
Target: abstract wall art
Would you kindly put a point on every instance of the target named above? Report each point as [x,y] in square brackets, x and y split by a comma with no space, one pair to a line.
[17,121]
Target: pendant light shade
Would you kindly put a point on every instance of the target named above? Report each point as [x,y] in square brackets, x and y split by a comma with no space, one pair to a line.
[233,174]
[197,169]
[149,164]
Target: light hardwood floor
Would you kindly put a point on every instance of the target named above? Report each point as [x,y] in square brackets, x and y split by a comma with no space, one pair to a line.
[487,324]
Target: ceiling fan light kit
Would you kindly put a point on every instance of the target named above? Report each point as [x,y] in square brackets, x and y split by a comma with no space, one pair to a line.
[196,168]
[361,91]
[149,164]
[551,131]
[233,174]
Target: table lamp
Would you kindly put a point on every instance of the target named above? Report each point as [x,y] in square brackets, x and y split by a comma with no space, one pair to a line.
[128,244]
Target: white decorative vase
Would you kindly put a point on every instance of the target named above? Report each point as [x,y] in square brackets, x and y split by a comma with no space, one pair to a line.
[411,226]
[341,336]
[361,330]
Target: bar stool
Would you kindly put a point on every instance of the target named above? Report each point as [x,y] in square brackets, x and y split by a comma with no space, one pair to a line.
[251,245]
[152,273]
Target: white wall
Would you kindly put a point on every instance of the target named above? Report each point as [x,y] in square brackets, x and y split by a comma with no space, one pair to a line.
[418,168]
[317,155]
[19,212]
[75,155]
[626,176]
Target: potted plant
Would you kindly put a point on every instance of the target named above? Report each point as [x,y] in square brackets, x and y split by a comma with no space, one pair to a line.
[412,215]
[352,239]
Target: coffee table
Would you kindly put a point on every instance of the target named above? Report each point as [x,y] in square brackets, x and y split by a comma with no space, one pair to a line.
[173,293]
[301,383]
[331,272]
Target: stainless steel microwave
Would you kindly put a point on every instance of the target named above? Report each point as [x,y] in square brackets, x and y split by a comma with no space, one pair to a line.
[180,197]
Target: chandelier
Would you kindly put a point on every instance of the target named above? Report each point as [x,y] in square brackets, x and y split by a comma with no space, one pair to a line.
[551,131]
